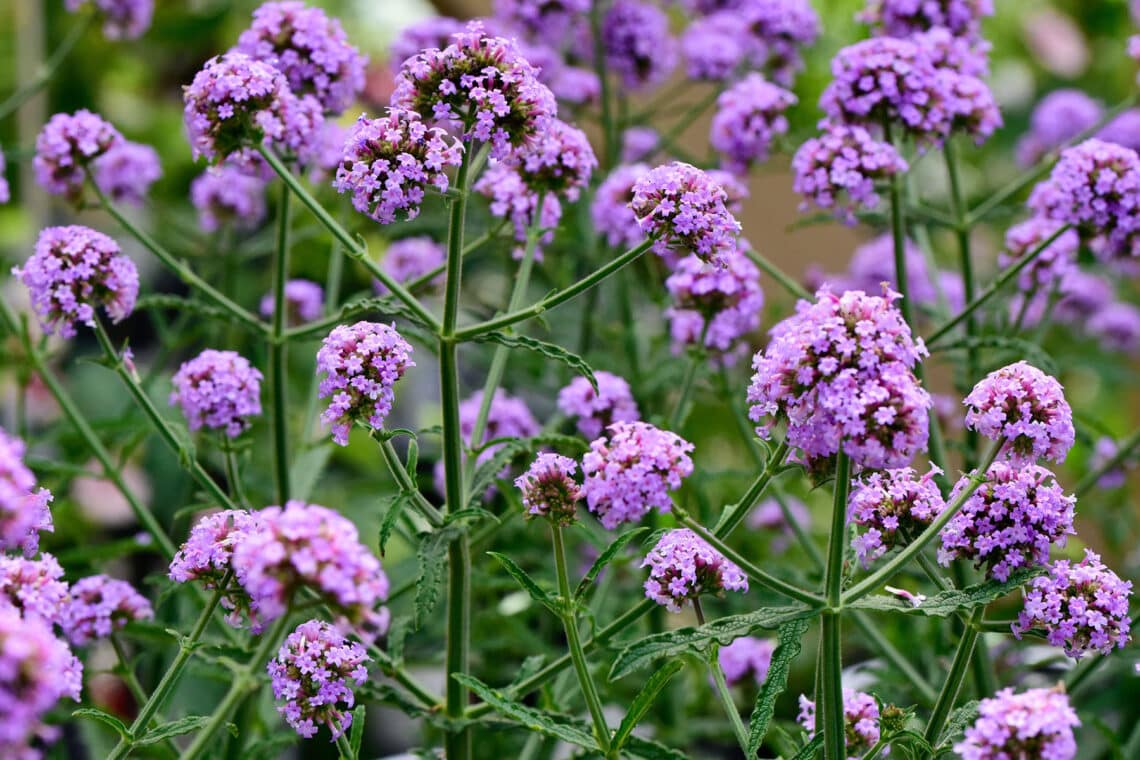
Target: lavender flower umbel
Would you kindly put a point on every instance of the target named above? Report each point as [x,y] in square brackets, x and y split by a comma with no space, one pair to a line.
[682,207]
[313,674]
[304,302]
[1025,409]
[227,195]
[841,371]
[218,390]
[1082,606]
[838,170]
[631,470]
[72,272]
[98,605]
[433,32]
[637,43]
[35,587]
[411,258]
[890,507]
[66,147]
[902,18]
[122,19]
[389,164]
[1035,724]
[683,567]
[750,114]
[1052,264]
[549,490]
[207,555]
[362,363]
[1010,522]
[24,509]
[126,172]
[861,716]
[310,49]
[778,30]
[597,410]
[746,656]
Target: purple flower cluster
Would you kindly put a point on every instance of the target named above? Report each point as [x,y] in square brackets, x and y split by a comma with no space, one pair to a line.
[237,102]
[411,258]
[861,716]
[719,305]
[1037,723]
[312,676]
[304,302]
[631,470]
[596,410]
[1056,120]
[390,162]
[746,656]
[872,264]
[507,417]
[637,43]
[511,198]
[682,207]
[122,19]
[903,18]
[560,161]
[542,19]
[362,363]
[227,195]
[611,212]
[126,171]
[964,55]
[1051,264]
[24,509]
[310,49]
[72,272]
[714,47]
[683,567]
[67,146]
[35,587]
[750,114]
[890,508]
[841,370]
[207,553]
[639,144]
[838,170]
[480,86]
[1083,607]
[1022,406]
[778,30]
[1010,521]
[218,390]
[549,490]
[98,605]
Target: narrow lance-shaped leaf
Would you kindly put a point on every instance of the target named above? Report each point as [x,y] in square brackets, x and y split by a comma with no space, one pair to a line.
[959,720]
[549,350]
[644,700]
[946,603]
[604,559]
[554,726]
[432,556]
[396,503]
[174,728]
[529,585]
[789,642]
[103,717]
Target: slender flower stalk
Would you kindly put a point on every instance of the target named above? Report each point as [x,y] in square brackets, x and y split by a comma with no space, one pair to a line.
[777,274]
[959,668]
[1126,449]
[831,681]
[278,376]
[721,687]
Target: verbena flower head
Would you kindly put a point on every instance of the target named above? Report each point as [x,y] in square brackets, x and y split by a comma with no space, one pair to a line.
[778,31]
[637,43]
[431,33]
[549,489]
[207,554]
[507,417]
[632,469]
[872,264]
[683,567]
[841,371]
[24,509]
[218,390]
[1117,326]
[35,587]
[964,55]
[749,116]
[1010,521]
[310,49]
[746,656]
[481,87]
[1123,129]
[72,272]
[861,717]
[1083,607]
[715,47]
[971,105]
[1036,724]
[122,19]
[1056,120]
[304,302]
[1051,264]
[722,305]
[237,102]
[126,172]
[227,195]
[902,18]
[306,545]
[99,605]
[411,258]
[389,164]
[682,207]
[511,198]
[838,170]
[639,144]
[593,410]
[611,211]
[890,508]
[67,146]
[362,363]
[1025,408]
[313,675]
[542,19]
[560,161]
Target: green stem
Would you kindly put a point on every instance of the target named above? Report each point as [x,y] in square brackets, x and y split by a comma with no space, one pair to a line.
[344,747]
[49,68]
[1126,449]
[898,235]
[735,514]
[405,482]
[785,281]
[969,285]
[892,655]
[128,675]
[721,687]
[696,359]
[233,474]
[609,131]
[953,684]
[277,357]
[831,696]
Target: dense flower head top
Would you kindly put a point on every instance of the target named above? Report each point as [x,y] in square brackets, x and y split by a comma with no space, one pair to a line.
[218,390]
[1052,264]
[1082,606]
[237,102]
[1117,326]
[971,105]
[969,56]
[304,302]
[310,49]
[207,555]
[313,675]
[779,30]
[560,161]
[1058,118]
[227,195]
[126,171]
[122,19]
[361,363]
[1010,522]
[24,510]
[685,211]
[512,198]
[72,272]
[1036,724]
[750,114]
[67,146]
[714,47]
[632,469]
[838,169]
[638,45]
[841,371]
[746,656]
[596,410]
[549,490]
[861,717]
[35,587]
[890,508]
[542,19]
[611,212]
[902,18]
[683,567]
[431,33]
[481,87]
[98,605]
[872,264]
[1024,408]
[410,258]
[389,164]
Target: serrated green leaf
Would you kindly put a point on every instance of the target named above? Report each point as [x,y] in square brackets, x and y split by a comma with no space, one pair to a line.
[789,642]
[644,700]
[412,460]
[604,559]
[172,729]
[488,470]
[958,721]
[811,749]
[470,513]
[432,558]
[529,667]
[946,603]
[528,584]
[547,724]
[651,750]
[396,504]
[697,640]
[397,633]
[105,718]
[356,732]
[549,350]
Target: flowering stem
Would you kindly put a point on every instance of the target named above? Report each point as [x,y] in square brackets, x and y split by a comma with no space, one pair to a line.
[721,687]
[127,673]
[609,127]
[277,357]
[735,514]
[831,682]
[233,474]
[696,358]
[570,624]
[888,650]
[48,70]
[778,274]
[953,684]
[405,482]
[898,235]
[1127,448]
